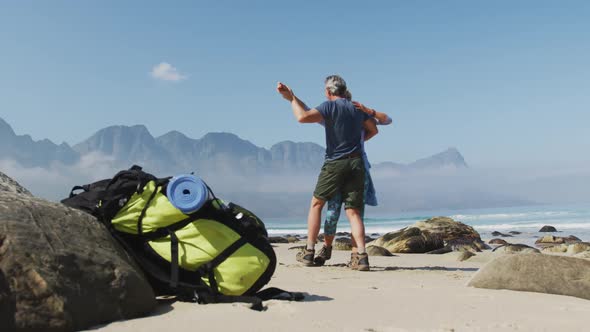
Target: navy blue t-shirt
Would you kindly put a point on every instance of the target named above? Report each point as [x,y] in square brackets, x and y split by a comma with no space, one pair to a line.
[344,125]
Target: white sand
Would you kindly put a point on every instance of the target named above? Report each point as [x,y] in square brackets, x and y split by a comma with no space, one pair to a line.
[402,293]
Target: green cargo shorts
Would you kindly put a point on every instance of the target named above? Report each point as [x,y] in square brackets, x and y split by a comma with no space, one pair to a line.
[346,176]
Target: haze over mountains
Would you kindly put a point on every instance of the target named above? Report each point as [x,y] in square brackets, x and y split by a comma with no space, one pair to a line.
[273,182]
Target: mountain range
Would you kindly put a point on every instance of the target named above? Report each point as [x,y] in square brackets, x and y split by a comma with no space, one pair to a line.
[214,153]
[275,182]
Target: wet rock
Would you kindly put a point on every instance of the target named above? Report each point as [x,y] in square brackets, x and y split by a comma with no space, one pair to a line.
[548,228]
[495,233]
[514,233]
[63,270]
[342,243]
[292,239]
[430,236]
[516,249]
[378,251]
[342,234]
[549,274]
[497,241]
[277,239]
[321,237]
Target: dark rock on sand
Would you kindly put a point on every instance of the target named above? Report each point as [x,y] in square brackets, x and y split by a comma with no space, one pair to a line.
[342,234]
[277,239]
[495,233]
[548,228]
[514,233]
[497,241]
[342,244]
[292,239]
[430,236]
[536,273]
[61,270]
[320,237]
[516,248]
[378,251]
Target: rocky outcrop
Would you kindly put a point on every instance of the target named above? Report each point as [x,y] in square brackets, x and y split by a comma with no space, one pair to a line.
[550,240]
[61,270]
[9,185]
[378,251]
[560,248]
[440,233]
[516,248]
[548,228]
[576,248]
[536,273]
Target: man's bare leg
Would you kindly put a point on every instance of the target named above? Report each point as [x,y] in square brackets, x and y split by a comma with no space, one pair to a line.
[357,228]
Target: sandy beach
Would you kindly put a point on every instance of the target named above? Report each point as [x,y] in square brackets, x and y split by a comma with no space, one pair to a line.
[406,292]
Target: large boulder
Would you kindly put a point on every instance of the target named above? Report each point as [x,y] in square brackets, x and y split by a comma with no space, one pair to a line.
[536,273]
[550,240]
[438,235]
[516,248]
[579,247]
[378,251]
[548,228]
[61,270]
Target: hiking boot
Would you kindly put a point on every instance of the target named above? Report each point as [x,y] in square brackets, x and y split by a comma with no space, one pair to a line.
[324,254]
[305,256]
[359,262]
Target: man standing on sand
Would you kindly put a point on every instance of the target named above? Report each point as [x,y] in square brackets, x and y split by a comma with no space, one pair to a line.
[343,170]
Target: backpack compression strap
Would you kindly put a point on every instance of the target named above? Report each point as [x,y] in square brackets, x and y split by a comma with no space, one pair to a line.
[255,300]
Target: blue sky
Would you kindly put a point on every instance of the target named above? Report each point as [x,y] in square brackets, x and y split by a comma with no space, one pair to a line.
[505,82]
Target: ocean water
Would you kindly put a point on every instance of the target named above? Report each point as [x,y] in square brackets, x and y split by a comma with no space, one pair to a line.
[567,219]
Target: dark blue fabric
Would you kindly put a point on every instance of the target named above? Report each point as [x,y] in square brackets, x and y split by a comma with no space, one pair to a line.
[343,124]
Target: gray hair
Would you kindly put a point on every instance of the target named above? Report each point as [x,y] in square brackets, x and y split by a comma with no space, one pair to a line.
[336,85]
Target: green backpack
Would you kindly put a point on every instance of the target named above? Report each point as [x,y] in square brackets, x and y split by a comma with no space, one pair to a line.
[220,253]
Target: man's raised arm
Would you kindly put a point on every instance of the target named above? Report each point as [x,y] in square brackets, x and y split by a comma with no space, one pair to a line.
[300,110]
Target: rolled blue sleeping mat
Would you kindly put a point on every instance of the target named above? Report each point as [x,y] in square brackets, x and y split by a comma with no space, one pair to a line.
[187,192]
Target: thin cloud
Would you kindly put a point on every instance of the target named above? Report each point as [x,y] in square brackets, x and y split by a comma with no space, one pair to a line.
[166,72]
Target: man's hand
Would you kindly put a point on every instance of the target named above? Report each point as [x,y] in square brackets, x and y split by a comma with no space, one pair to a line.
[285,91]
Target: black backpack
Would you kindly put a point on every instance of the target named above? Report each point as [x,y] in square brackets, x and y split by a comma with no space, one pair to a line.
[104,199]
